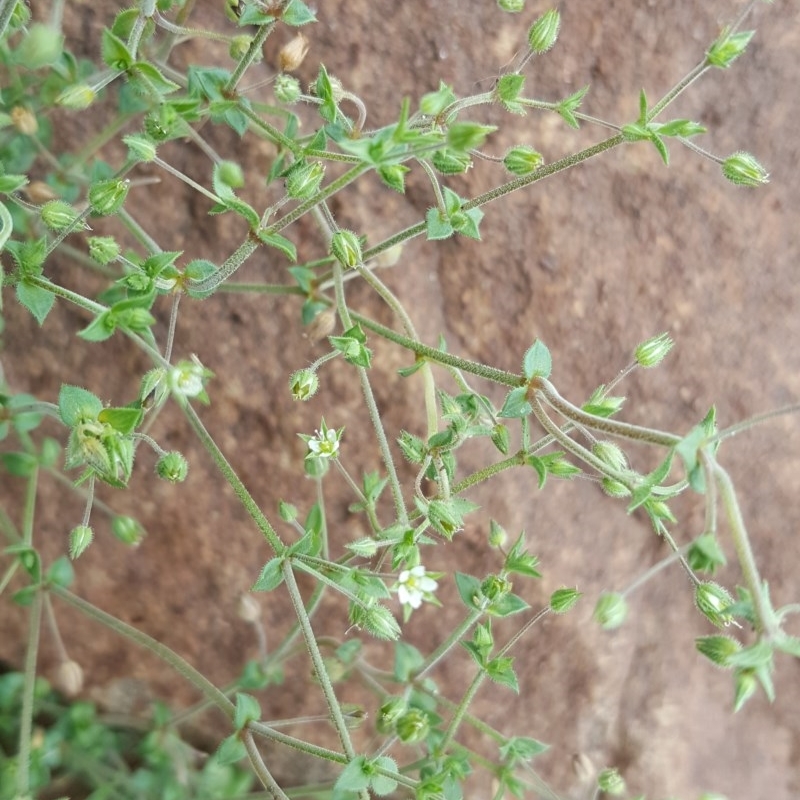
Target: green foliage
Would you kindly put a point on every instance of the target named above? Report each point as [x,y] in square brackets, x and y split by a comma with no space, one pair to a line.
[422,739]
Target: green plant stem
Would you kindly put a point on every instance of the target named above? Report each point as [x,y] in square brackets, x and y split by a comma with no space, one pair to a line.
[455,722]
[451,641]
[746,424]
[235,482]
[767,621]
[260,768]
[592,422]
[170,657]
[253,52]
[28,686]
[440,357]
[316,659]
[517,460]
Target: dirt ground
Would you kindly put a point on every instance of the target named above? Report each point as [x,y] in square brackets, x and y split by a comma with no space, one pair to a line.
[592,262]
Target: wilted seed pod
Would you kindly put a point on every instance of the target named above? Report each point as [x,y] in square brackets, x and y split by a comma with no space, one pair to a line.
[24,120]
[249,610]
[322,325]
[292,53]
[239,46]
[77,97]
[69,678]
[39,192]
[287,89]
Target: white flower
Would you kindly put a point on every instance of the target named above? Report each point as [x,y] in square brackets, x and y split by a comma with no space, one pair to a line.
[413,585]
[325,444]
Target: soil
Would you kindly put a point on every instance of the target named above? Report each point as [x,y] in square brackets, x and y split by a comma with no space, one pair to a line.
[591,262]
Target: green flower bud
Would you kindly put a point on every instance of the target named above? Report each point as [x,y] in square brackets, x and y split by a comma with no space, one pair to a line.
[304,179]
[482,638]
[128,530]
[287,89]
[522,160]
[80,537]
[107,197]
[304,384]
[389,713]
[239,46]
[727,48]
[230,173]
[103,249]
[610,454]
[562,600]
[375,619]
[494,587]
[614,488]
[365,547]
[611,782]
[140,147]
[413,726]
[346,249]
[172,467]
[651,352]
[712,600]
[497,535]
[451,162]
[77,98]
[610,610]
[743,170]
[717,649]
[544,32]
[41,47]
[745,683]
[512,6]
[58,215]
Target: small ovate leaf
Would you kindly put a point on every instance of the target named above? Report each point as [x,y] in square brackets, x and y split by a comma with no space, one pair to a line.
[297,13]
[247,710]
[469,589]
[231,750]
[516,404]
[122,420]
[521,748]
[507,605]
[114,52]
[37,300]
[76,404]
[501,671]
[271,576]
[280,242]
[437,225]
[537,362]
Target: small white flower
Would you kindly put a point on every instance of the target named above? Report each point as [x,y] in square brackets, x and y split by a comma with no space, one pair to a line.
[413,585]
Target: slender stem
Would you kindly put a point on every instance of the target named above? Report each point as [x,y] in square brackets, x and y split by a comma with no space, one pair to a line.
[746,424]
[26,712]
[253,52]
[481,475]
[316,659]
[466,700]
[170,657]
[260,768]
[451,641]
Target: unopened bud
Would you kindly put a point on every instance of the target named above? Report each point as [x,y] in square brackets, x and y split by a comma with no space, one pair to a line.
[413,726]
[304,179]
[58,215]
[717,649]
[77,97]
[544,32]
[512,6]
[239,46]
[712,600]
[107,197]
[292,53]
[562,600]
[172,467]
[103,249]
[651,352]
[611,610]
[287,89]
[610,454]
[522,160]
[249,610]
[80,537]
[743,170]
[304,384]
[611,782]
[127,530]
[345,247]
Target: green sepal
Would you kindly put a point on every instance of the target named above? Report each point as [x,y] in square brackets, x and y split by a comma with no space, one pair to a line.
[522,562]
[464,136]
[501,670]
[508,89]
[469,590]
[433,103]
[569,105]
[123,420]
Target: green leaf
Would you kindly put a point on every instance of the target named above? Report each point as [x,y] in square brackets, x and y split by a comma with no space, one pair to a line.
[437,225]
[114,52]
[521,748]
[508,89]
[61,573]
[506,606]
[468,135]
[36,299]
[516,404]
[354,777]
[297,13]
[434,103]
[501,671]
[122,420]
[147,79]
[407,660]
[519,560]
[20,465]
[271,576]
[567,107]
[247,710]
[469,589]
[76,405]
[680,127]
[231,750]
[280,242]
[537,362]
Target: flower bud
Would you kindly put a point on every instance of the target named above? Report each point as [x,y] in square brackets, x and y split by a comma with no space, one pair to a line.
[389,713]
[24,120]
[611,782]
[727,48]
[610,610]
[80,537]
[413,726]
[346,249]
[239,46]
[544,32]
[522,160]
[614,488]
[451,162]
[140,147]
[322,325]
[494,587]
[497,535]
[610,454]
[41,47]
[304,384]
[287,89]
[107,197]
[375,619]
[231,174]
[512,6]
[58,215]
[127,530]
[172,467]
[743,170]
[712,600]
[69,678]
[746,683]
[103,249]
[304,179]
[651,352]
[717,649]
[77,98]
[292,53]
[562,600]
